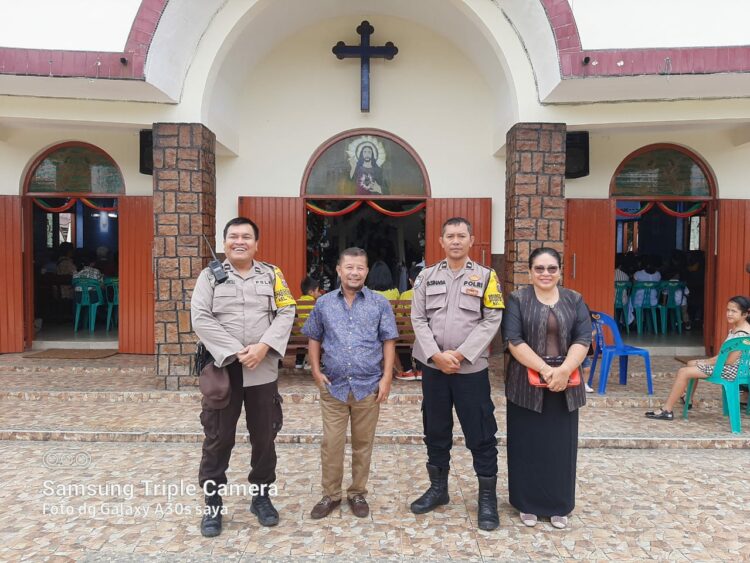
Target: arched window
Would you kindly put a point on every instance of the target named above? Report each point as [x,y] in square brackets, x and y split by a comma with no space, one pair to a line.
[76,168]
[662,171]
[365,164]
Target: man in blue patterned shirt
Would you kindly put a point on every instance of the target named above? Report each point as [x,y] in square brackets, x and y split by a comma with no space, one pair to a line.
[356,330]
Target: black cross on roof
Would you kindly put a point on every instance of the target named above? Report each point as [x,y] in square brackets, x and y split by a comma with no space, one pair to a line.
[364,51]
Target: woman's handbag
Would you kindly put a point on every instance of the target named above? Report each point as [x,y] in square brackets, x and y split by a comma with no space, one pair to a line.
[536,380]
[213,381]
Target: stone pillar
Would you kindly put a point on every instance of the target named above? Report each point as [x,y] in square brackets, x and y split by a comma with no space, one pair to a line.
[184,210]
[534,195]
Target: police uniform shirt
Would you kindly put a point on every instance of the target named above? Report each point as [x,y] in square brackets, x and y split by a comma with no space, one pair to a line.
[458,311]
[241,311]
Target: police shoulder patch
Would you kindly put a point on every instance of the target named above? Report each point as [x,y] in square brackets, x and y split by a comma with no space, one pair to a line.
[493,296]
[281,293]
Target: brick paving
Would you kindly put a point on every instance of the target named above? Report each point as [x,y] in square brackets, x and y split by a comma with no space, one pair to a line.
[631,505]
[646,489]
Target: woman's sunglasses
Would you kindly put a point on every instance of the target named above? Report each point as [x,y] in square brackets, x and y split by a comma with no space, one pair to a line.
[549,269]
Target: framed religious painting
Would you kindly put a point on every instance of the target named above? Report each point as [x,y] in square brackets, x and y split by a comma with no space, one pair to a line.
[365,166]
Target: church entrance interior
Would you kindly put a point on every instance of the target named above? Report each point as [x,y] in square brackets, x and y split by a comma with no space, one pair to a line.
[661,242]
[365,188]
[390,231]
[75,251]
[669,248]
[73,248]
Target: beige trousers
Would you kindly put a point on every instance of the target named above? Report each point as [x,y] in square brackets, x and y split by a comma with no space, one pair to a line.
[364,416]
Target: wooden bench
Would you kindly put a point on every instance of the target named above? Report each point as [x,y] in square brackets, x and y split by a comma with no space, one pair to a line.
[401,309]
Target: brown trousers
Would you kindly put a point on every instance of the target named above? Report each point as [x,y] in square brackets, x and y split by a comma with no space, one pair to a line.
[364,418]
[264,420]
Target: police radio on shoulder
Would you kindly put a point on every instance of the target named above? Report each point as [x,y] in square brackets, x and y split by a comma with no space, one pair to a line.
[216,267]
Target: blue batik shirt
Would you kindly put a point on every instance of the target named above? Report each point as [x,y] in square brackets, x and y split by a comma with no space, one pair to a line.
[352,340]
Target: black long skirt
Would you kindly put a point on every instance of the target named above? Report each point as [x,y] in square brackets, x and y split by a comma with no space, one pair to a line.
[542,452]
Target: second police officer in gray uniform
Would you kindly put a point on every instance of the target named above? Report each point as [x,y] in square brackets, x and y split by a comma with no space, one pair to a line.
[456,312]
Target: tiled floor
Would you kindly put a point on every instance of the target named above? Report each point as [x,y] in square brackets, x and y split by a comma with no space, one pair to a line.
[631,505]
[646,489]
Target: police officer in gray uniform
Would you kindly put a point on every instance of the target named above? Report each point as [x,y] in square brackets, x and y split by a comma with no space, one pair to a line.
[245,324]
[456,312]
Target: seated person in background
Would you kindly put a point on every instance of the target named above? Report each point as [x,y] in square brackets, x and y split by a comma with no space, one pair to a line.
[104,262]
[65,264]
[89,270]
[380,281]
[589,359]
[738,309]
[310,292]
[620,274]
[650,272]
[66,267]
[680,298]
[408,373]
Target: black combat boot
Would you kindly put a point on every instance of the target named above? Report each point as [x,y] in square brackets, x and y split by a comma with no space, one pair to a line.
[487,517]
[263,509]
[437,494]
[211,521]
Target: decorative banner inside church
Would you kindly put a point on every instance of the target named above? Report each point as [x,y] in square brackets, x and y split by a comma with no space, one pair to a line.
[366,165]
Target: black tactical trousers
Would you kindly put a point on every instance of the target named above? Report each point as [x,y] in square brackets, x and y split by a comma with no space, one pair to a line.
[264,420]
[470,394]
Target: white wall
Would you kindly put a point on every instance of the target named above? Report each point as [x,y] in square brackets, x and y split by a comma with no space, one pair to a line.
[429,95]
[76,25]
[727,161]
[629,24]
[19,147]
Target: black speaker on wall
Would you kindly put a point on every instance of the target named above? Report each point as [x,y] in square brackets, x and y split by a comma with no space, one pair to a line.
[577,154]
[147,152]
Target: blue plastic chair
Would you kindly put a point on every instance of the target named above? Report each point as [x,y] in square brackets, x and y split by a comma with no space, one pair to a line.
[645,288]
[622,292]
[88,293]
[730,389]
[669,307]
[112,295]
[609,351]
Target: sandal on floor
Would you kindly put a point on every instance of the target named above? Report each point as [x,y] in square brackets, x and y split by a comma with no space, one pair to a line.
[529,520]
[682,400]
[660,415]
[559,522]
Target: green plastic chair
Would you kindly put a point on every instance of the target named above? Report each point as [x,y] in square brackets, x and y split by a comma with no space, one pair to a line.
[668,306]
[90,295]
[730,389]
[646,287]
[622,291]
[112,295]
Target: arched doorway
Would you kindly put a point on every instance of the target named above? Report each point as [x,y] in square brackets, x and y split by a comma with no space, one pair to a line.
[660,216]
[72,233]
[329,193]
[365,188]
[664,224]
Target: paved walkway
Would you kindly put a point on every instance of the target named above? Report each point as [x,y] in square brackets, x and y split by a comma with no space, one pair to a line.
[646,489]
[631,505]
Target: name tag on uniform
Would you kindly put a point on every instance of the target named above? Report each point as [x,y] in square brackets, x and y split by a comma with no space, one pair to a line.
[474,290]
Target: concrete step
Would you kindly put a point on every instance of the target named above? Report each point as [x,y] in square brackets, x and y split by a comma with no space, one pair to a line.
[710,400]
[400,423]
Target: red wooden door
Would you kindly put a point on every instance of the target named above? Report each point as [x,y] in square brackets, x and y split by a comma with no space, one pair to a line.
[136,224]
[589,255]
[283,238]
[732,255]
[11,276]
[477,210]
